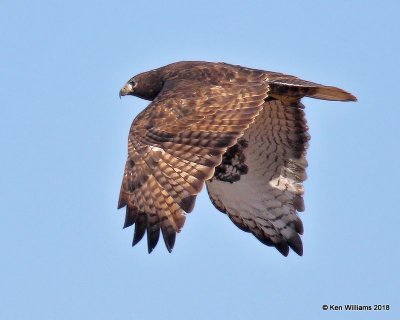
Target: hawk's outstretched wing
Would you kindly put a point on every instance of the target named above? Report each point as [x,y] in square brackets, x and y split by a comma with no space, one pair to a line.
[174,146]
[258,185]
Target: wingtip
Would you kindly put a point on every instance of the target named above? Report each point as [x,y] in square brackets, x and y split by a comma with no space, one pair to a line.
[150,248]
[127,222]
[121,203]
[296,244]
[293,243]
[169,236]
[140,229]
[135,241]
[169,246]
[283,248]
[130,216]
[153,235]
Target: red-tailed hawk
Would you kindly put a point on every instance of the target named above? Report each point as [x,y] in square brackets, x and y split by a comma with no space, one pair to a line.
[240,131]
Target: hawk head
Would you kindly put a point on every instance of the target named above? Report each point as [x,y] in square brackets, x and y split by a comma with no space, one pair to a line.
[146,85]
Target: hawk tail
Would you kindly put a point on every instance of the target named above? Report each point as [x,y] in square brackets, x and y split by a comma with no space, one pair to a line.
[330,93]
[288,88]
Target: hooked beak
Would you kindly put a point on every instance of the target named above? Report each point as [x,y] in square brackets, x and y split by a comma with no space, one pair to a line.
[127,89]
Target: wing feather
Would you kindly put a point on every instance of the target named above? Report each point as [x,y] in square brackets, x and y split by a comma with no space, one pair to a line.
[266,199]
[174,146]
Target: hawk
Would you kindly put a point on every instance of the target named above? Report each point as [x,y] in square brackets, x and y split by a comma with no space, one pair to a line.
[240,131]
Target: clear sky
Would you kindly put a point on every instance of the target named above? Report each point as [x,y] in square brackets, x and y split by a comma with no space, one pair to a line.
[63,137]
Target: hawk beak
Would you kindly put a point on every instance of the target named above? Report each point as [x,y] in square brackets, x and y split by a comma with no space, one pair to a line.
[127,89]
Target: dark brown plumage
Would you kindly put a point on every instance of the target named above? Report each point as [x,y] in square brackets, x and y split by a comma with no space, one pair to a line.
[240,130]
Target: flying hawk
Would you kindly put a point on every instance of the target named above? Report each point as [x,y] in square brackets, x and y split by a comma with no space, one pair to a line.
[240,131]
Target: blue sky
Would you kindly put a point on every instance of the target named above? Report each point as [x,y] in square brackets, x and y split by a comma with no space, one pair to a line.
[63,133]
